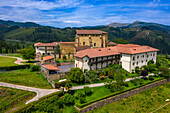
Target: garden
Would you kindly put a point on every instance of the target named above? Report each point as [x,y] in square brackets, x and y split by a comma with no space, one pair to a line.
[12,98]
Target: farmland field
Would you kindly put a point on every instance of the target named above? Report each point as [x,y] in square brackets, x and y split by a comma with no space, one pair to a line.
[12,98]
[26,78]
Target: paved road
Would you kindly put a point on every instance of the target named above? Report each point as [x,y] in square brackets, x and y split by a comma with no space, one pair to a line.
[40,92]
[101,84]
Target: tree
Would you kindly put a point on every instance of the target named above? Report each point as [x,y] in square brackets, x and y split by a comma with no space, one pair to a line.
[137,70]
[57,51]
[166,55]
[68,99]
[165,72]
[68,86]
[28,53]
[76,75]
[150,62]
[121,41]
[12,49]
[64,58]
[0,47]
[6,48]
[119,78]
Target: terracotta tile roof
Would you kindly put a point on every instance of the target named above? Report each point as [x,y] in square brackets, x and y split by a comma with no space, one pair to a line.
[47,58]
[52,44]
[82,48]
[97,52]
[135,49]
[66,42]
[90,32]
[111,44]
[120,48]
[46,44]
[50,67]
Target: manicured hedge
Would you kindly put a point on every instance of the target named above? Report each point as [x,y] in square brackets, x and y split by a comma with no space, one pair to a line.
[15,67]
[116,93]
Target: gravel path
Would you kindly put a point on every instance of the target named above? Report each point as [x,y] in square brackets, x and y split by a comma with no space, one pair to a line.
[101,84]
[40,92]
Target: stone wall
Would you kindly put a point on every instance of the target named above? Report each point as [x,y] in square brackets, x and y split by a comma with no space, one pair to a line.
[118,97]
[57,76]
[67,48]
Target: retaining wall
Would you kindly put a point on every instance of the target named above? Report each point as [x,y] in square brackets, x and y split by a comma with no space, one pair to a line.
[118,97]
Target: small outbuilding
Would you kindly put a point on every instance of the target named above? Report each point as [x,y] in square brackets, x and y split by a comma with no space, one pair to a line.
[48,60]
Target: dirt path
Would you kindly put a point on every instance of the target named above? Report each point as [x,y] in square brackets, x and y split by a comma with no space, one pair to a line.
[40,92]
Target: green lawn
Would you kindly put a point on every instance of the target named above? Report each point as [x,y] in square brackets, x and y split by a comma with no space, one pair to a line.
[144,102]
[6,61]
[13,98]
[25,77]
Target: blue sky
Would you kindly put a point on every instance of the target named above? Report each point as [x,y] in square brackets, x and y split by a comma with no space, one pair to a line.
[75,13]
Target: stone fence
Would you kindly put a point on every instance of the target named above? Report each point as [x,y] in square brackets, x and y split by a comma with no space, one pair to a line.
[118,97]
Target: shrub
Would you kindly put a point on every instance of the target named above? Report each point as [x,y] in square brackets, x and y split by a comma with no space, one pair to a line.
[141,81]
[137,70]
[135,81]
[132,71]
[63,83]
[144,73]
[83,100]
[150,62]
[35,68]
[126,84]
[68,99]
[80,94]
[15,67]
[64,58]
[88,90]
[151,77]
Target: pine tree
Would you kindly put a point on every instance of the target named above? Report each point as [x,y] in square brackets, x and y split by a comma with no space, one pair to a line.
[6,48]
[0,47]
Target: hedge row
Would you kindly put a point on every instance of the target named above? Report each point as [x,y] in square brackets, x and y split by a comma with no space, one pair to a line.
[59,93]
[14,67]
[113,94]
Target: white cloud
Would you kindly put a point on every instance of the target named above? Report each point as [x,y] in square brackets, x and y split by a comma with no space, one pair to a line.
[70,21]
[42,5]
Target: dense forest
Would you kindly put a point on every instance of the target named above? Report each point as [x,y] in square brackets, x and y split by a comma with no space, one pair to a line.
[154,35]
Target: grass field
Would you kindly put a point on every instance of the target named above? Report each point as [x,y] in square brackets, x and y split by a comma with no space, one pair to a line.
[12,98]
[25,77]
[144,102]
[6,61]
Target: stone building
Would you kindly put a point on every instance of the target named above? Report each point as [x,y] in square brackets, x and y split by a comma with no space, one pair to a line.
[48,48]
[129,55]
[92,38]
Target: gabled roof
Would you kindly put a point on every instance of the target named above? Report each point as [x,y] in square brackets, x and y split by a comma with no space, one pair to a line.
[111,44]
[53,44]
[47,58]
[90,32]
[46,44]
[120,48]
[97,52]
[79,48]
[50,67]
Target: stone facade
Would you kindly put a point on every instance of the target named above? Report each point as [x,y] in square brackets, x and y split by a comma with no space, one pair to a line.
[67,48]
[92,40]
[119,97]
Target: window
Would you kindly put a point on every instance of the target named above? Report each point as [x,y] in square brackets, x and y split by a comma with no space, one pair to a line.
[147,56]
[133,64]
[137,57]
[83,43]
[92,35]
[81,35]
[142,61]
[136,63]
[85,35]
[151,54]
[154,54]
[146,60]
[133,58]
[94,44]
[76,65]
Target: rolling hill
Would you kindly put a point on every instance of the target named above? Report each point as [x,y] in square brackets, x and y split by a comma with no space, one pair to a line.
[151,34]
